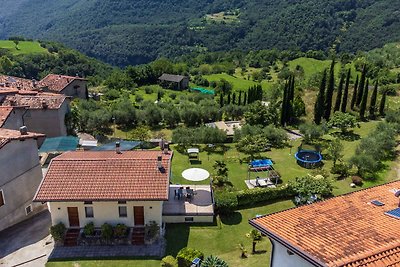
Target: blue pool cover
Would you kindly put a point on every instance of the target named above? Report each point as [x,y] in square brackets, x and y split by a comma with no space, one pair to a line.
[59,144]
[124,146]
[261,163]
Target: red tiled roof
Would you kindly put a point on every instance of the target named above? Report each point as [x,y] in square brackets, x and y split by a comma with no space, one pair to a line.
[343,231]
[56,82]
[106,175]
[10,82]
[35,100]
[4,113]
[7,135]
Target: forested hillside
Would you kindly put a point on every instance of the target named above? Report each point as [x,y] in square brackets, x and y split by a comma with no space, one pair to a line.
[133,32]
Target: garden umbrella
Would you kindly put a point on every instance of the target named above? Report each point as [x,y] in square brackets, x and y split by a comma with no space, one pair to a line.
[195,174]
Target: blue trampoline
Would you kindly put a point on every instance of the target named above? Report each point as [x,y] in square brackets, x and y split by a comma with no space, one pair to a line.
[59,144]
[308,158]
[124,146]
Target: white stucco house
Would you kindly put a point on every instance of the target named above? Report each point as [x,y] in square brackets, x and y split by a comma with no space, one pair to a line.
[20,176]
[357,229]
[126,187]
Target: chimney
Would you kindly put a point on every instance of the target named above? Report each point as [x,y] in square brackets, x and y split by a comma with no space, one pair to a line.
[44,104]
[159,162]
[23,130]
[117,147]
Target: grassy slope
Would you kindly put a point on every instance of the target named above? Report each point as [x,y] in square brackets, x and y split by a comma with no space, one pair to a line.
[237,83]
[25,47]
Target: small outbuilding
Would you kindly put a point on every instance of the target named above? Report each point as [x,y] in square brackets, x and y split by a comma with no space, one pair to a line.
[176,82]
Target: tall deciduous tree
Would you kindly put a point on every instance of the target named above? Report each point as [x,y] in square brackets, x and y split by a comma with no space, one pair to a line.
[319,104]
[354,97]
[329,91]
[363,104]
[346,92]
[372,105]
[339,94]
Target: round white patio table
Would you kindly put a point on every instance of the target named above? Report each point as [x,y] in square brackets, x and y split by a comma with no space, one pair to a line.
[195,174]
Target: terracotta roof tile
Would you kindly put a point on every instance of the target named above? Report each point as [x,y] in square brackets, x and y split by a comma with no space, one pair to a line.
[343,231]
[35,100]
[10,82]
[56,82]
[4,113]
[106,175]
[7,135]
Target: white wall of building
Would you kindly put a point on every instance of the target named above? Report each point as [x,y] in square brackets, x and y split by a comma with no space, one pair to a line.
[106,212]
[281,258]
[20,176]
[76,89]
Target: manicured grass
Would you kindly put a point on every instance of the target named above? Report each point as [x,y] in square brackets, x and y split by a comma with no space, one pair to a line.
[24,47]
[104,263]
[237,83]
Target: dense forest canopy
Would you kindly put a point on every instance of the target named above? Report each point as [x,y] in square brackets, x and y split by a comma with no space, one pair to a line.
[134,32]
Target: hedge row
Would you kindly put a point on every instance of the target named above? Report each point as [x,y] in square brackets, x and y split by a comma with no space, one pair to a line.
[229,201]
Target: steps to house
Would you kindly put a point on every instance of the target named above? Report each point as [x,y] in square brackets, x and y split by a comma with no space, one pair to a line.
[138,236]
[71,237]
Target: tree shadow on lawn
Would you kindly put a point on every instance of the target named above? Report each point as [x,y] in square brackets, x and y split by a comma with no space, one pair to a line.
[231,219]
[195,162]
[348,136]
[257,252]
[177,236]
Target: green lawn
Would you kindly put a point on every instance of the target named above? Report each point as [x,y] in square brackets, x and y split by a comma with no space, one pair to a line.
[105,263]
[237,83]
[24,47]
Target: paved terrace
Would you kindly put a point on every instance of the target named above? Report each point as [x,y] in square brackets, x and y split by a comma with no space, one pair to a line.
[201,204]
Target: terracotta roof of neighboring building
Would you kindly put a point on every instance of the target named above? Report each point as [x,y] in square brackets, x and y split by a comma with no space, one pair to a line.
[171,78]
[4,113]
[7,135]
[57,83]
[106,175]
[10,82]
[346,230]
[35,100]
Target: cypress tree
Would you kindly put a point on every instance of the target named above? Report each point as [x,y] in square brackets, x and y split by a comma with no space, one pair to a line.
[245,99]
[382,105]
[284,105]
[319,103]
[290,100]
[221,100]
[229,98]
[346,92]
[240,98]
[234,98]
[372,105]
[361,86]
[339,94]
[354,97]
[363,104]
[250,95]
[329,92]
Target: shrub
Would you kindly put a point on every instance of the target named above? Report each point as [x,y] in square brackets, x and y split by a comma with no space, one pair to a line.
[89,229]
[308,186]
[172,96]
[152,230]
[169,261]
[148,90]
[112,94]
[120,230]
[213,261]
[256,195]
[106,231]
[187,255]
[58,231]
[226,202]
[341,168]
[357,180]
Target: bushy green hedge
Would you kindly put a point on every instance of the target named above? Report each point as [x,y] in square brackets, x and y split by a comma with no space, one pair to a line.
[229,201]
[256,195]
[169,261]
[187,255]
[58,231]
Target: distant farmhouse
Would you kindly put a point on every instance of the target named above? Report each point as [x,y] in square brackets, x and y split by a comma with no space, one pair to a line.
[176,82]
[20,176]
[358,229]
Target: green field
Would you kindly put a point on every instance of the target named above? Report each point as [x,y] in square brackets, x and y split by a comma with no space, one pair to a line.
[24,47]
[237,83]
